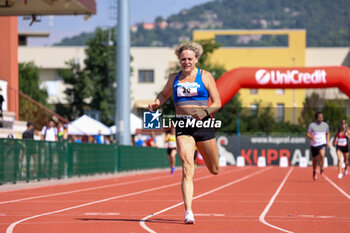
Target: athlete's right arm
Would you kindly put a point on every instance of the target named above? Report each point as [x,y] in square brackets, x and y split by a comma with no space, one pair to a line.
[163,95]
[309,134]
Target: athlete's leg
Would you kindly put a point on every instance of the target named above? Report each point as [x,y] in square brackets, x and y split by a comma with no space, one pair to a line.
[185,147]
[172,158]
[346,161]
[339,155]
[322,156]
[314,166]
[209,152]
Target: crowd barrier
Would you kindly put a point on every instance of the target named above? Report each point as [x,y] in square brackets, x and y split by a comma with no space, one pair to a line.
[26,160]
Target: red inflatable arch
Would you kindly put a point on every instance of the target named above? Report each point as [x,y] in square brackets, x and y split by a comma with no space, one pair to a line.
[293,77]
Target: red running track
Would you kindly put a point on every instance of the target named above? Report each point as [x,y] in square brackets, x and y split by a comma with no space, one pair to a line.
[246,199]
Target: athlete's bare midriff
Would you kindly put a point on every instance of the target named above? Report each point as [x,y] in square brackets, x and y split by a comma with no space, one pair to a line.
[186,110]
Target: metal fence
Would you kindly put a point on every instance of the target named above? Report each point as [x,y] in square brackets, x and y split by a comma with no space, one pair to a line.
[25,160]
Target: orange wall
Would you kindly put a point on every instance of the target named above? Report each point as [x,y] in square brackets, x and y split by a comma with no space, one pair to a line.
[8,59]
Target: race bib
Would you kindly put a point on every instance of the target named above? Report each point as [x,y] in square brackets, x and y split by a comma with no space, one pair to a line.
[187,89]
[342,142]
[172,144]
[320,137]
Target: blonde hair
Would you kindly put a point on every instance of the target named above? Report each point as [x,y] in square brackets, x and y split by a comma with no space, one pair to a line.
[193,46]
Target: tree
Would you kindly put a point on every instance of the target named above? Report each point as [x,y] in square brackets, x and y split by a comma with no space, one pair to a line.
[333,112]
[92,87]
[311,105]
[29,84]
[79,89]
[100,68]
[259,120]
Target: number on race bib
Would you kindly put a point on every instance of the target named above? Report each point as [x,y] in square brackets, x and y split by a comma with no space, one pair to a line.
[342,142]
[187,89]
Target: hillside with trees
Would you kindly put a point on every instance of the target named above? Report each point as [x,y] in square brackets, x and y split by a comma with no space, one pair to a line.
[327,22]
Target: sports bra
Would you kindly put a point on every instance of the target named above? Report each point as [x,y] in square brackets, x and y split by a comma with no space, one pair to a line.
[172,141]
[189,93]
[342,139]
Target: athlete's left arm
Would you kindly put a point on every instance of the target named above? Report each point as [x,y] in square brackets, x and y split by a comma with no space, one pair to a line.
[210,84]
[347,133]
[328,136]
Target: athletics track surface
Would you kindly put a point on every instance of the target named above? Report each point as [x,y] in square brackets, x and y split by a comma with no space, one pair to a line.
[248,199]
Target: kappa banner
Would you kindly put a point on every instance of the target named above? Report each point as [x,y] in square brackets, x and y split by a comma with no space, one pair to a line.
[272,148]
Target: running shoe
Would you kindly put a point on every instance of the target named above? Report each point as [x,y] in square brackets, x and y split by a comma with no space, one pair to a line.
[189,217]
[345,172]
[172,170]
[340,175]
[314,176]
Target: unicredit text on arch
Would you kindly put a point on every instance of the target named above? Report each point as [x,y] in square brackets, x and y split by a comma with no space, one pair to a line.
[290,77]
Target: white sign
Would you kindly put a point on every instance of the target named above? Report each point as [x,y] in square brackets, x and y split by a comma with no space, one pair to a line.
[261,161]
[240,161]
[302,162]
[283,161]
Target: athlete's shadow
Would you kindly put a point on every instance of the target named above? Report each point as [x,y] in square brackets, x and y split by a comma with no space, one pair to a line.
[153,220]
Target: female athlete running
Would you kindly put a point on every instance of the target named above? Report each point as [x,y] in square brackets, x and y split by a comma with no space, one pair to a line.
[342,147]
[171,140]
[192,88]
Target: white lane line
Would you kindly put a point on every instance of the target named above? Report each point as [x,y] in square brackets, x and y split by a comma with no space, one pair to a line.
[267,208]
[337,187]
[13,225]
[143,220]
[80,190]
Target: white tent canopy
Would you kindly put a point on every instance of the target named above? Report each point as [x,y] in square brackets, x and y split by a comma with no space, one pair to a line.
[135,123]
[86,125]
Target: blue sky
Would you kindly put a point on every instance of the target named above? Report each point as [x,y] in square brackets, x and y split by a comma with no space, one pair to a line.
[68,26]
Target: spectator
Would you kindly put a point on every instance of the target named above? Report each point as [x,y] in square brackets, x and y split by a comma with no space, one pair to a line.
[37,136]
[138,140]
[29,133]
[78,139]
[151,142]
[30,148]
[59,128]
[63,134]
[100,138]
[49,132]
[1,101]
[73,138]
